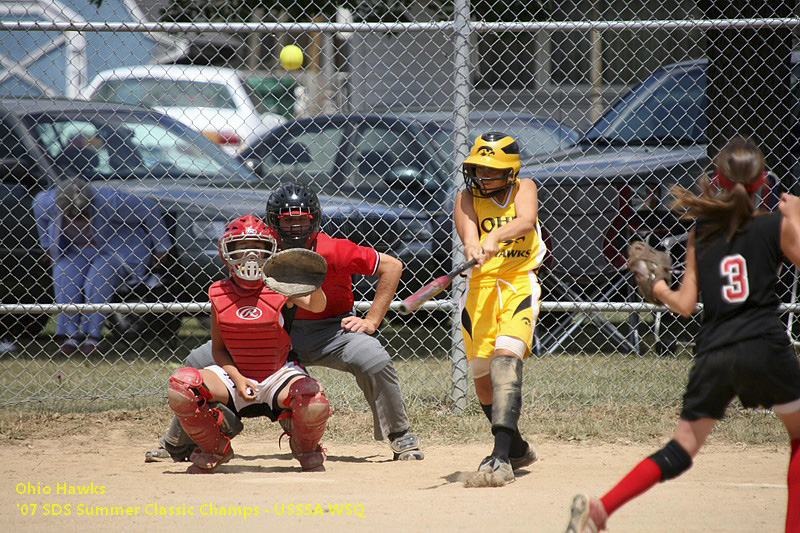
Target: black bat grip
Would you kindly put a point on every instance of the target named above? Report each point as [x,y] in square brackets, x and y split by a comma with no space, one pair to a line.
[463,267]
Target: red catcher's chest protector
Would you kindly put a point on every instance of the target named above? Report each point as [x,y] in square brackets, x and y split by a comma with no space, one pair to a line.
[251,326]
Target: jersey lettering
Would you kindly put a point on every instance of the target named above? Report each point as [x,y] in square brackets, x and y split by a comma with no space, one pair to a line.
[514,253]
[488,224]
[737,288]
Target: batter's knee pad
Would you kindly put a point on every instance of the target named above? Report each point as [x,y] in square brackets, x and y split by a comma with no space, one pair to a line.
[310,412]
[188,397]
[506,375]
[672,460]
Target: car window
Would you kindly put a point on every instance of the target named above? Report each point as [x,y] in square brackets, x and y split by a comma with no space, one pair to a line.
[111,149]
[151,92]
[533,137]
[675,108]
[256,99]
[381,148]
[305,153]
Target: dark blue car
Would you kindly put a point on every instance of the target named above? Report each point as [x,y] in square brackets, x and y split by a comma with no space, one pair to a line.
[148,154]
[614,181]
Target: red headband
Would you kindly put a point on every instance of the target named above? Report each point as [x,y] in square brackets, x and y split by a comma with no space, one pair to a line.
[728,185]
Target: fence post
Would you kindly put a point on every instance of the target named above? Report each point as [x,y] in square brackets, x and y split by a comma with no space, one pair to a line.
[461,92]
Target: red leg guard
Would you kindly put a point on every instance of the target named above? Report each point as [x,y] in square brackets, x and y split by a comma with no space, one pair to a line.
[310,412]
[793,484]
[188,397]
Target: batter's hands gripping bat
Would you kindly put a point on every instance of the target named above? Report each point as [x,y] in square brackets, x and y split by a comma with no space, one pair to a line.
[413,302]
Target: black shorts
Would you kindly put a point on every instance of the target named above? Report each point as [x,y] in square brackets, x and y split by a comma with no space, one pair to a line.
[761,372]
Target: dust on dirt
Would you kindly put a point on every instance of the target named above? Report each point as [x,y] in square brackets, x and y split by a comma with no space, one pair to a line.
[86,472]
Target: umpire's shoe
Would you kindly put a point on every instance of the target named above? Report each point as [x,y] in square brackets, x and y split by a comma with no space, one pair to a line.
[157,454]
[406,448]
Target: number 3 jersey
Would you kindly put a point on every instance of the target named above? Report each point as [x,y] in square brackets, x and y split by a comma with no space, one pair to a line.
[516,257]
[736,280]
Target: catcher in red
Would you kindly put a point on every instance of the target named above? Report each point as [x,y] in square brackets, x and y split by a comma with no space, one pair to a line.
[254,374]
[742,349]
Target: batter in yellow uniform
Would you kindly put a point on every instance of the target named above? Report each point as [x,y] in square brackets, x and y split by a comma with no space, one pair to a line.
[496,218]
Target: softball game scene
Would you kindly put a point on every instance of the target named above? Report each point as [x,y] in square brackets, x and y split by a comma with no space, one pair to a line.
[400,266]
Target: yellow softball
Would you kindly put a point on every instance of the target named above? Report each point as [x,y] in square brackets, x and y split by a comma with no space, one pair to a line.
[291,57]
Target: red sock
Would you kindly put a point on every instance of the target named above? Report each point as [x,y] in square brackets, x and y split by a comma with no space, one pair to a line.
[793,483]
[640,479]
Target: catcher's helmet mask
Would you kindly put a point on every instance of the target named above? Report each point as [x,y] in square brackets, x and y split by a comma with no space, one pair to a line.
[246,265]
[289,201]
[494,150]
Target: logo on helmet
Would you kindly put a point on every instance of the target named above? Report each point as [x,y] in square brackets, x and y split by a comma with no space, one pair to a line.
[485,151]
[249,313]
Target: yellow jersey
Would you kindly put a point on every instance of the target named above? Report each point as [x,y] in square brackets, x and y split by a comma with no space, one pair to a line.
[516,257]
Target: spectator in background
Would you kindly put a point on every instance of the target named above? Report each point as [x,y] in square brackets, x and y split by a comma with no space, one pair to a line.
[98,240]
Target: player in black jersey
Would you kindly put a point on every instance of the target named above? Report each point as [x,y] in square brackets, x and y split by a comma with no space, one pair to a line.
[743,350]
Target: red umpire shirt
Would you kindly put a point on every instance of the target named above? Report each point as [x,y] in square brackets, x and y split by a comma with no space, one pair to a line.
[345,258]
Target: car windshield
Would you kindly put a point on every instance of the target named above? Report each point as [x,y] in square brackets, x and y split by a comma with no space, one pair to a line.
[666,109]
[151,92]
[256,99]
[109,146]
[533,137]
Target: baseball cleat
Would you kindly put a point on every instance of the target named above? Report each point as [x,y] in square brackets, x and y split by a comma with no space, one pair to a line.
[312,461]
[208,462]
[587,515]
[492,472]
[406,448]
[158,454]
[526,459]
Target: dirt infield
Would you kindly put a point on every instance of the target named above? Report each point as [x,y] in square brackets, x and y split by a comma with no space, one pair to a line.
[109,488]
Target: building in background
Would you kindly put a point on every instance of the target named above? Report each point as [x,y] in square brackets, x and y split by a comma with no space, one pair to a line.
[59,63]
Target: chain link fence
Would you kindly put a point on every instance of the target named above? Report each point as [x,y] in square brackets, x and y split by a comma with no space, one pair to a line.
[181,117]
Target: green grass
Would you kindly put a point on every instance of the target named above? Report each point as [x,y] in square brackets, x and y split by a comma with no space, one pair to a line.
[590,394]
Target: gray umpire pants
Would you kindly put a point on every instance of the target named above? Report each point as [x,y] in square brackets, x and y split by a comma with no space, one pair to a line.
[325,343]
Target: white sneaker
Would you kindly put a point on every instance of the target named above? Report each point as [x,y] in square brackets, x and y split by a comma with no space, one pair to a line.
[587,515]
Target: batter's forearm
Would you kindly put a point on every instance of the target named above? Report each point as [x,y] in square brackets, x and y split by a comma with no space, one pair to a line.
[514,229]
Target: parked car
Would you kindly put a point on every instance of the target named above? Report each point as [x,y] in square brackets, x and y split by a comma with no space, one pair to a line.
[403,160]
[365,158]
[652,138]
[214,100]
[613,184]
[535,135]
[146,153]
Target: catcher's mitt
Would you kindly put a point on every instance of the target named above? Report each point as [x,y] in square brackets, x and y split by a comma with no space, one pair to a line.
[648,266]
[295,272]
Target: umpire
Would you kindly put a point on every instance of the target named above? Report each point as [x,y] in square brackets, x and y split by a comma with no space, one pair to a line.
[335,338]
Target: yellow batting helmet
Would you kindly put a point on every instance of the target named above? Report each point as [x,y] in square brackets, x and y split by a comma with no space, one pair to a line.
[492,150]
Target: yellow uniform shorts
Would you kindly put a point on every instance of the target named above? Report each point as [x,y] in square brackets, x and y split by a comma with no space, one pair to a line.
[510,308]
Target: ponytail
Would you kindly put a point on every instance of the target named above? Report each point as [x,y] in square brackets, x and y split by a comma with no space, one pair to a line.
[739,175]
